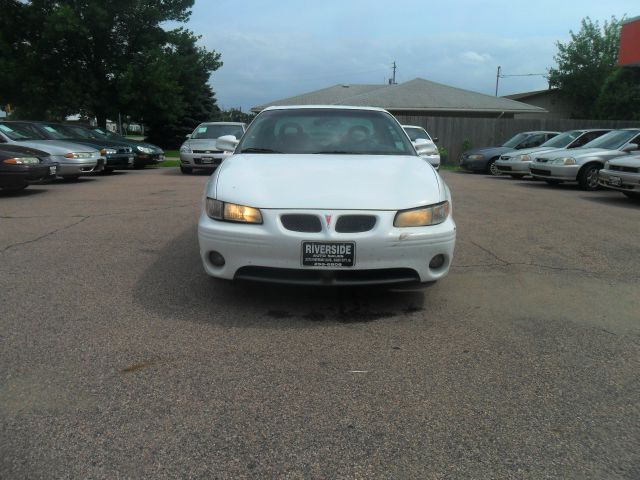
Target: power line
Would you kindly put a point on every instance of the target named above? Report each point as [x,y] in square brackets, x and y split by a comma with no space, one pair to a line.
[500,75]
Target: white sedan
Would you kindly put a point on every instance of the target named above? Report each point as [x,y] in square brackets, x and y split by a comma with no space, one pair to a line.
[325,195]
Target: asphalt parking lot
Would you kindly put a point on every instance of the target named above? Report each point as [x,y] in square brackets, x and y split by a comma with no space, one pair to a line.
[120,358]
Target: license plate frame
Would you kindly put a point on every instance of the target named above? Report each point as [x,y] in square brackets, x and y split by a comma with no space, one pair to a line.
[314,253]
[207,160]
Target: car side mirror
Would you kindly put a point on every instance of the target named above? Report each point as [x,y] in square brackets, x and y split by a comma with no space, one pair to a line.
[188,135]
[424,147]
[227,143]
[629,147]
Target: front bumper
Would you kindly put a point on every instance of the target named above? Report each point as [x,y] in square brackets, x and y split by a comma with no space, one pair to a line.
[25,174]
[620,181]
[78,167]
[119,161]
[508,167]
[564,173]
[270,252]
[203,160]
[473,165]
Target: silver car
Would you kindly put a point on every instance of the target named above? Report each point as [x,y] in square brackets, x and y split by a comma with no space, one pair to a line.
[431,154]
[622,174]
[582,165]
[199,150]
[516,164]
[73,159]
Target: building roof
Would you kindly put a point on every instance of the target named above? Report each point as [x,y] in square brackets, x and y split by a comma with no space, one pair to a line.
[415,95]
[534,93]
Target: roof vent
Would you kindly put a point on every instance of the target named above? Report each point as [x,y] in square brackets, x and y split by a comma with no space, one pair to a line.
[345,85]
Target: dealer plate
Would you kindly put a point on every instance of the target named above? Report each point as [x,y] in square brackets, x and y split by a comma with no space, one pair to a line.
[52,169]
[328,254]
[615,181]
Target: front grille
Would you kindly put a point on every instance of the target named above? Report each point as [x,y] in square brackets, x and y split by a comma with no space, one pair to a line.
[328,277]
[619,168]
[537,171]
[504,168]
[355,223]
[208,151]
[301,222]
[124,150]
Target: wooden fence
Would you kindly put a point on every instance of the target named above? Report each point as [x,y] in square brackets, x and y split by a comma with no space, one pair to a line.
[454,132]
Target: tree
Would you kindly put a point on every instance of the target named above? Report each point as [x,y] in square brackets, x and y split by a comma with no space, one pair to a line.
[584,64]
[101,58]
[620,95]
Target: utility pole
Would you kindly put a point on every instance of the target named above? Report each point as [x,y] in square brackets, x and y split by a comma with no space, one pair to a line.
[497,79]
[393,80]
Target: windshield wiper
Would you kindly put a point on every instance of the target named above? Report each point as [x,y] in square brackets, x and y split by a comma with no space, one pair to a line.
[338,152]
[258,150]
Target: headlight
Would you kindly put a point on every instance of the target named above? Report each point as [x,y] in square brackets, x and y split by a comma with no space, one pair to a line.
[78,155]
[231,212]
[422,216]
[185,149]
[144,149]
[565,161]
[21,161]
[475,156]
[108,151]
[524,158]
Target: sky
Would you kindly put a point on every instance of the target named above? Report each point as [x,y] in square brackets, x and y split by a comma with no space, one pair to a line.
[281,48]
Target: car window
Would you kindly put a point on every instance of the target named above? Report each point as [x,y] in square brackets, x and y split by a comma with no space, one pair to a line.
[587,137]
[612,140]
[562,140]
[326,131]
[20,132]
[531,141]
[216,131]
[415,133]
[515,140]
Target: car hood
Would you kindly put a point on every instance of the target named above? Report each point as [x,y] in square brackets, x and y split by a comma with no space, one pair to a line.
[358,182]
[56,147]
[155,148]
[633,161]
[489,152]
[12,149]
[529,151]
[580,153]
[99,144]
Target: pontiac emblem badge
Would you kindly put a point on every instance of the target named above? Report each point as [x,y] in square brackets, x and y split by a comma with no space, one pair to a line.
[328,219]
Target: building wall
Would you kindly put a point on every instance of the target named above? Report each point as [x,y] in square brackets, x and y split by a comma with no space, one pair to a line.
[552,101]
[486,132]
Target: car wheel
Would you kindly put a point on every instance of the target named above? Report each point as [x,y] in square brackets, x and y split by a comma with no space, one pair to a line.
[107,171]
[633,195]
[517,176]
[551,181]
[185,169]
[588,177]
[492,168]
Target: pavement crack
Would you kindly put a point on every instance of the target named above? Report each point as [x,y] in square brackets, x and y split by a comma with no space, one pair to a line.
[48,234]
[486,250]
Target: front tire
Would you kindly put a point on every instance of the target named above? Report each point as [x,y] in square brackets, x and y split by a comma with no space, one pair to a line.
[492,168]
[186,170]
[588,177]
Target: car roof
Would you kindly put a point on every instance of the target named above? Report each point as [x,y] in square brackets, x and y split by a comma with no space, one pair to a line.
[324,107]
[222,123]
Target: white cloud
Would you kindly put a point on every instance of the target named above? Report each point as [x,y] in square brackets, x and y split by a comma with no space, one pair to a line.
[475,57]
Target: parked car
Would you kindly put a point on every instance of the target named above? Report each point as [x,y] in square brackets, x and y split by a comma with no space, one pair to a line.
[199,151]
[117,155]
[517,163]
[484,159]
[582,165]
[22,166]
[418,133]
[145,153]
[622,174]
[72,158]
[326,196]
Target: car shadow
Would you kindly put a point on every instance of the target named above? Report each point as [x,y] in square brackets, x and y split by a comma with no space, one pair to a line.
[176,286]
[29,191]
[176,171]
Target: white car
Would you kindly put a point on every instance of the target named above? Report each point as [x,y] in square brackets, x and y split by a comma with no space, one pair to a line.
[326,195]
[622,174]
[199,151]
[431,154]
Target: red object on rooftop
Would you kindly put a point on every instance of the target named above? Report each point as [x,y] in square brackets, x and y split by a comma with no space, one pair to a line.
[629,54]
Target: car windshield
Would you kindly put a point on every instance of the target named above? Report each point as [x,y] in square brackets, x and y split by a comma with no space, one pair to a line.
[415,133]
[332,131]
[612,140]
[55,132]
[107,134]
[216,131]
[80,132]
[515,141]
[562,140]
[19,132]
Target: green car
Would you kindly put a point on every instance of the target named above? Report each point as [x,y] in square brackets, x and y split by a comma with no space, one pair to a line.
[145,153]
